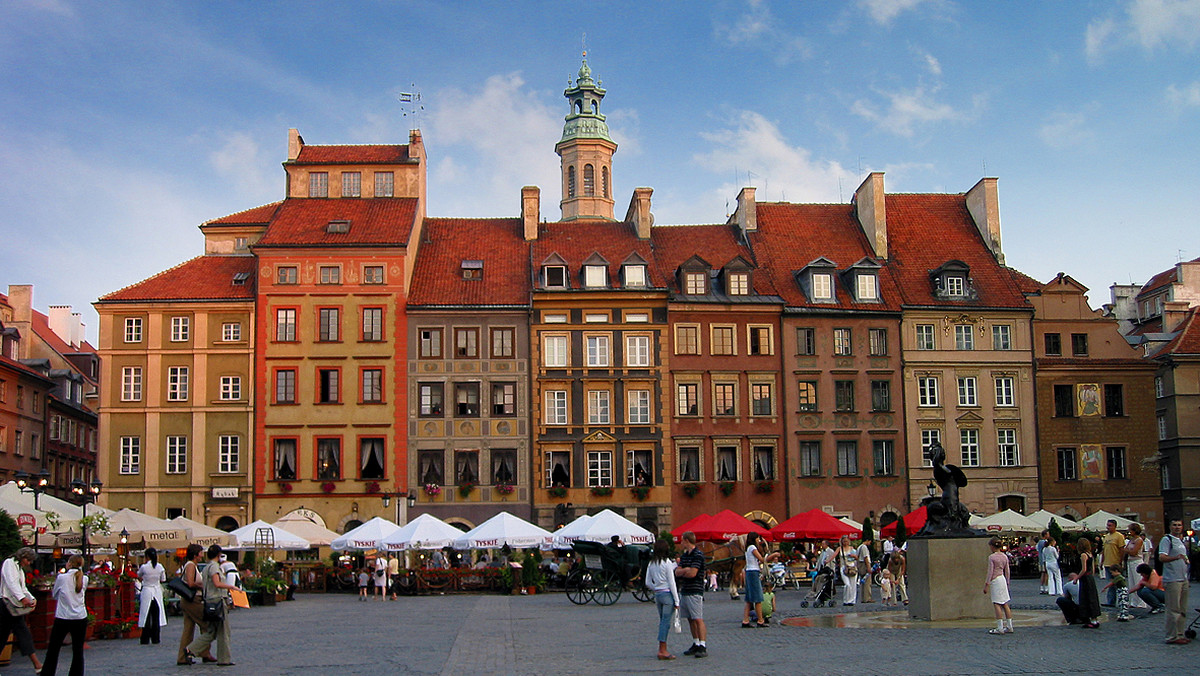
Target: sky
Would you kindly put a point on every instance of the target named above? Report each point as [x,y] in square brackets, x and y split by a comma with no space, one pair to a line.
[125,125]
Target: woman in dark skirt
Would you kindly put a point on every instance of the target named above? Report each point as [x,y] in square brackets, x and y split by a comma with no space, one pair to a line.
[1089,598]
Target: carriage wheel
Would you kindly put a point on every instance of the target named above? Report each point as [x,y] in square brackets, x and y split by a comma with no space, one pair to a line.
[579,587]
[608,588]
[643,594]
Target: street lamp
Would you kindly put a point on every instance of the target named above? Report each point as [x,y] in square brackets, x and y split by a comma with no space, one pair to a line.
[86,493]
[931,489]
[36,484]
[410,498]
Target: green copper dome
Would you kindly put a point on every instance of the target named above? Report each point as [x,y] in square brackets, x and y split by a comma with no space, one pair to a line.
[585,120]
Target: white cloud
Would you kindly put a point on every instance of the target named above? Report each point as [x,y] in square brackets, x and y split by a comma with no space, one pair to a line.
[779,170]
[905,110]
[1063,130]
[751,25]
[1187,96]
[884,11]
[239,160]
[935,67]
[758,28]
[1098,33]
[1148,23]
[486,144]
[53,6]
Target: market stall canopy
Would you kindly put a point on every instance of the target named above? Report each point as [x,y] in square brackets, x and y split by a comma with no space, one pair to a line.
[601,527]
[1099,521]
[678,531]
[1008,521]
[370,535]
[725,525]
[815,524]
[913,522]
[424,532]
[1042,518]
[16,510]
[203,535]
[316,534]
[68,513]
[505,529]
[248,535]
[142,528]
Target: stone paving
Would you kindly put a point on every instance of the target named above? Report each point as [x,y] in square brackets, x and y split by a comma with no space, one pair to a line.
[546,634]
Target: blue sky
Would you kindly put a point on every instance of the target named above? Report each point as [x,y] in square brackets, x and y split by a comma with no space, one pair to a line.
[127,124]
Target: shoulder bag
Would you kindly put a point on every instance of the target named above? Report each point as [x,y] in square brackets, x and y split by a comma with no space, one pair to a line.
[181,588]
[214,611]
[17,609]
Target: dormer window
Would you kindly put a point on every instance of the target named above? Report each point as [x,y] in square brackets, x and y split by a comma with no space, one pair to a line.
[340,226]
[955,285]
[822,286]
[695,283]
[635,276]
[239,279]
[866,286]
[555,276]
[952,281]
[595,276]
[739,283]
[472,270]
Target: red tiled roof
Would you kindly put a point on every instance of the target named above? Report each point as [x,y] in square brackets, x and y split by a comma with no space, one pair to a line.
[41,326]
[254,216]
[378,221]
[925,232]
[1024,282]
[202,278]
[790,236]
[1187,340]
[716,244]
[21,368]
[576,241]
[1169,276]
[353,154]
[447,242]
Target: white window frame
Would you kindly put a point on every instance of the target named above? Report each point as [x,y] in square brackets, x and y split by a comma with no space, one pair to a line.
[638,411]
[285,325]
[927,392]
[229,454]
[928,437]
[822,286]
[231,332]
[843,342]
[372,324]
[177,383]
[177,452]
[351,184]
[231,388]
[599,407]
[1001,337]
[556,407]
[181,329]
[133,329]
[131,383]
[637,351]
[968,444]
[955,285]
[1008,451]
[866,286]
[600,469]
[598,354]
[964,337]
[968,391]
[635,276]
[318,184]
[131,455]
[1005,391]
[595,276]
[926,337]
[695,283]
[739,284]
[555,351]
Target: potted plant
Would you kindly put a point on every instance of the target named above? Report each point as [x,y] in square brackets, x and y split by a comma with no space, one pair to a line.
[505,489]
[372,487]
[764,486]
[329,487]
[601,491]
[727,488]
[465,487]
[433,490]
[558,491]
[640,492]
[531,572]
[691,488]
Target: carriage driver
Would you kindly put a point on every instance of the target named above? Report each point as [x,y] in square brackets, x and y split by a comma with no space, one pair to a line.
[691,594]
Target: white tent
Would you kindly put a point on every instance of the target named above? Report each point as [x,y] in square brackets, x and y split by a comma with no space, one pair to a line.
[316,534]
[152,531]
[1042,517]
[203,535]
[1099,521]
[367,536]
[858,526]
[68,513]
[505,529]
[601,527]
[246,537]
[424,532]
[1008,521]
[16,509]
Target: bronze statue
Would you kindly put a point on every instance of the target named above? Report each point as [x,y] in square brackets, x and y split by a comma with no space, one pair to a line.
[946,516]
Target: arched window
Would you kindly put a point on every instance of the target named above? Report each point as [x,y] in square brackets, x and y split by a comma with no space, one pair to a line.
[570,182]
[604,181]
[579,107]
[595,107]
[589,180]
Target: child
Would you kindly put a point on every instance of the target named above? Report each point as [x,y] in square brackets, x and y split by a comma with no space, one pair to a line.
[768,604]
[886,588]
[1122,587]
[363,581]
[712,582]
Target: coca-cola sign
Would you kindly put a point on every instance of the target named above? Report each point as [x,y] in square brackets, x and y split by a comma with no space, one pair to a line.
[26,520]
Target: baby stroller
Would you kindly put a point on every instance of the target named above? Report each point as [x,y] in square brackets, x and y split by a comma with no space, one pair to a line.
[777,573]
[822,589]
[1190,632]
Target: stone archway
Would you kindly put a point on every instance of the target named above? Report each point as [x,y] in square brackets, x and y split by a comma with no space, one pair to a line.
[460,523]
[227,524]
[762,518]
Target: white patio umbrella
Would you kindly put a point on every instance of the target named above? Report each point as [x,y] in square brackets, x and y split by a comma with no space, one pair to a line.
[151,530]
[505,529]
[316,534]
[1099,521]
[367,536]
[1008,521]
[68,513]
[424,532]
[856,525]
[563,537]
[1042,517]
[202,534]
[247,537]
[603,526]
[16,509]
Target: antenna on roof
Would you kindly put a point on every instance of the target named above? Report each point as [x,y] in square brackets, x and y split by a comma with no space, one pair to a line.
[840,195]
[985,166]
[410,105]
[583,44]
[1179,255]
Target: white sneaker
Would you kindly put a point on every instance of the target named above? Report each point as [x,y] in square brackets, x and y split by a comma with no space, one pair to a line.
[1008,630]
[994,630]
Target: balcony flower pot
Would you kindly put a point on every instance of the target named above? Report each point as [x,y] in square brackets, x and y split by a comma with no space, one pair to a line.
[640,492]
[691,489]
[727,488]
[558,491]
[602,491]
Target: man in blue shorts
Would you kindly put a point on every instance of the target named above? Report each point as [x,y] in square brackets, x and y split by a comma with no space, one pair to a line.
[691,594]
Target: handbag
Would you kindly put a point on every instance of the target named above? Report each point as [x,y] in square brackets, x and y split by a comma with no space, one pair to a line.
[181,588]
[214,611]
[17,609]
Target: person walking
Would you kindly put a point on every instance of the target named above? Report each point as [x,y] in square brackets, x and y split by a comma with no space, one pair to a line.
[1133,558]
[152,614]
[864,572]
[660,579]
[193,608]
[691,591]
[218,630]
[70,617]
[1089,598]
[754,591]
[847,567]
[1054,581]
[1044,574]
[1173,553]
[996,585]
[16,598]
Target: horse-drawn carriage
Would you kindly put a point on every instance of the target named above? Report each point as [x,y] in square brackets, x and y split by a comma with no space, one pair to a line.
[601,573]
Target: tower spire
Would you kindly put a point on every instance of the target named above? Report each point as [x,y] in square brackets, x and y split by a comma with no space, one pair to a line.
[586,150]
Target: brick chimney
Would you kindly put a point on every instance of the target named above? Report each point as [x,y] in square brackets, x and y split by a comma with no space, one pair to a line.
[746,214]
[295,143]
[20,297]
[871,210]
[531,201]
[983,201]
[639,212]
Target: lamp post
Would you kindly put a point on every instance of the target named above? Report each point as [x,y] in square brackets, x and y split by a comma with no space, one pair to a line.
[86,493]
[931,489]
[36,484]
[409,501]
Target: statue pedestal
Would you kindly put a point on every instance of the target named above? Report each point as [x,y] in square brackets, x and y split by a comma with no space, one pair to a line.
[945,578]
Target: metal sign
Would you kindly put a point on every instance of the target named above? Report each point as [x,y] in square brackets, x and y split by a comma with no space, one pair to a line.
[225,492]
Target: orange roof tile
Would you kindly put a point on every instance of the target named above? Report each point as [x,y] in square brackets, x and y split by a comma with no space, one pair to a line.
[446,242]
[1024,282]
[254,216]
[353,154]
[385,221]
[203,278]
[576,241]
[1187,340]
[1169,276]
[716,244]
[924,232]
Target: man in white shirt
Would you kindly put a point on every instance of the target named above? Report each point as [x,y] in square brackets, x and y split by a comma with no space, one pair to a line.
[1173,553]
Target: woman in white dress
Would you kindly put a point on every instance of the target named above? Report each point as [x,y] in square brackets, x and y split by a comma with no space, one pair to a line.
[1134,544]
[847,565]
[152,614]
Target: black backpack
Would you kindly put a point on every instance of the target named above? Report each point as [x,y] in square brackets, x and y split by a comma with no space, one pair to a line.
[1154,560]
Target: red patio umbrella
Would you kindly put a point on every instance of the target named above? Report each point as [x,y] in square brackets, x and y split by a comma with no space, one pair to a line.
[690,524]
[727,524]
[815,524]
[913,522]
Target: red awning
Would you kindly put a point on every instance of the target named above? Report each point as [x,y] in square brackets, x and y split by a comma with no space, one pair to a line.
[690,524]
[815,524]
[727,524]
[913,522]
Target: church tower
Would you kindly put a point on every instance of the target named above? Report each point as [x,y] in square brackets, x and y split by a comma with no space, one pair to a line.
[586,151]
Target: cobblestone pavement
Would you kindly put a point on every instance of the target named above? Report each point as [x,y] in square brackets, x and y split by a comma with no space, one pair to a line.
[546,634]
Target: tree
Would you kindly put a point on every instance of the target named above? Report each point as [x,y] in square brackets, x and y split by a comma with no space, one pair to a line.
[10,536]
[1056,531]
[868,533]
[901,532]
